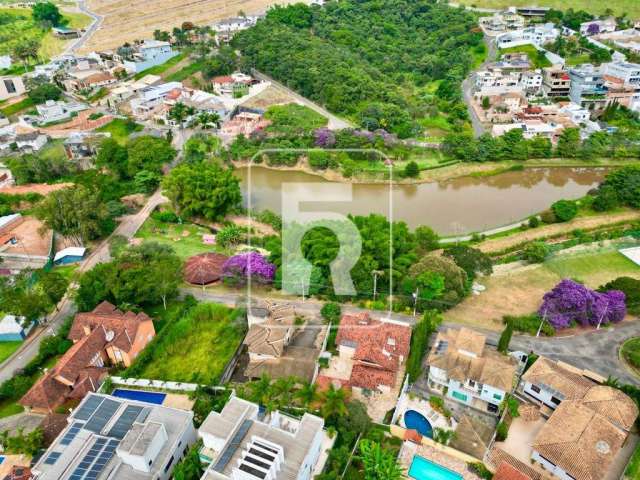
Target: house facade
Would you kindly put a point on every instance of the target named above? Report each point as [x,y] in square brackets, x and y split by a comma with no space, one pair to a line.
[242,443]
[149,54]
[465,370]
[11,86]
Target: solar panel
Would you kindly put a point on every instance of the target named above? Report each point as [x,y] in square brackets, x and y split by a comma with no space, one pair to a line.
[143,415]
[51,459]
[71,433]
[83,467]
[124,422]
[88,407]
[102,415]
[233,445]
[102,460]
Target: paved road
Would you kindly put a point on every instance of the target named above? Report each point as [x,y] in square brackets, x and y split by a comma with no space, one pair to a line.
[467,88]
[335,123]
[97,21]
[596,351]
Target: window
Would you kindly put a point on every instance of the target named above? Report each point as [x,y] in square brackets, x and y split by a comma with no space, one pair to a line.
[497,396]
[535,388]
[555,400]
[459,396]
[168,466]
[492,408]
[10,86]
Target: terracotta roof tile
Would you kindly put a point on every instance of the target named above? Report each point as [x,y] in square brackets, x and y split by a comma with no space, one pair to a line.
[509,472]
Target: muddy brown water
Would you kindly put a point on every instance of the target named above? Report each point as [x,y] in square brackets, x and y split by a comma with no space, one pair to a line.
[452,207]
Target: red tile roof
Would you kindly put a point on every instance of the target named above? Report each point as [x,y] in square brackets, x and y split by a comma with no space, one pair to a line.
[379,347]
[508,472]
[223,79]
[18,473]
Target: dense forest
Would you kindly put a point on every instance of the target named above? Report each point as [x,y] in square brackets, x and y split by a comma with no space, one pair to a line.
[385,64]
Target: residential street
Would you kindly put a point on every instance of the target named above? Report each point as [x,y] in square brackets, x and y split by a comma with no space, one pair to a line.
[97,21]
[467,87]
[596,351]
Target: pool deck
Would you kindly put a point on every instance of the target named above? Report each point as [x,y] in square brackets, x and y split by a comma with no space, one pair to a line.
[437,420]
[437,455]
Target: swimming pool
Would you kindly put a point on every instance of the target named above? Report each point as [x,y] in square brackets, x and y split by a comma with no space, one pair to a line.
[416,421]
[140,395]
[423,469]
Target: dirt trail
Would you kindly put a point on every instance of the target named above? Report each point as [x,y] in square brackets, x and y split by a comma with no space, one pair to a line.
[584,223]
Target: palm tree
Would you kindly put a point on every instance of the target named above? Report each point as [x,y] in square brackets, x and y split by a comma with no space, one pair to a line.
[379,464]
[283,389]
[208,119]
[334,403]
[261,389]
[308,394]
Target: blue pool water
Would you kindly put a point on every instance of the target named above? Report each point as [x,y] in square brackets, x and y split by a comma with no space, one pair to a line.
[423,469]
[416,421]
[140,395]
[1,458]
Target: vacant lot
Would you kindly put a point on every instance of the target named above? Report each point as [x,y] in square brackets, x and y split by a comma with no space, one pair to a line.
[120,129]
[127,20]
[519,291]
[195,348]
[631,7]
[7,349]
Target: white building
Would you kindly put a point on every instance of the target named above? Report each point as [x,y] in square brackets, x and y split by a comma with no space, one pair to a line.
[629,72]
[149,54]
[11,86]
[112,438]
[469,372]
[242,443]
[225,29]
[151,97]
[576,113]
[531,81]
[536,35]
[56,111]
[597,27]
[5,61]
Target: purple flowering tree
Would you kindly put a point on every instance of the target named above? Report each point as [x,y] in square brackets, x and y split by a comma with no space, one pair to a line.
[571,301]
[237,269]
[324,138]
[593,29]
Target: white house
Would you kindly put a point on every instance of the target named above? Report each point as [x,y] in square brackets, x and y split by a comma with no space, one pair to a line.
[5,61]
[149,54]
[151,97]
[469,372]
[242,443]
[11,86]
[14,328]
[576,113]
[597,27]
[535,35]
[56,111]
[110,437]
[626,71]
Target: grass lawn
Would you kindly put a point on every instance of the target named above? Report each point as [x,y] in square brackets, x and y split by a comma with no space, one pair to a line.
[436,126]
[120,129]
[9,408]
[631,7]
[159,69]
[185,239]
[631,352]
[7,349]
[185,72]
[194,348]
[633,468]
[67,271]
[52,45]
[17,107]
[538,59]
[54,149]
[519,292]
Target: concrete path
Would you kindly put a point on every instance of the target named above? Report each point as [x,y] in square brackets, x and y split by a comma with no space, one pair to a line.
[95,24]
[335,123]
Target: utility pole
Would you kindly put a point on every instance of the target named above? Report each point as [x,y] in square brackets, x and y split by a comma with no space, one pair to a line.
[375,282]
[602,316]
[415,301]
[544,318]
[302,284]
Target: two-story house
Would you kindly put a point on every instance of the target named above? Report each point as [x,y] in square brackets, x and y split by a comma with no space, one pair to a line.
[148,54]
[464,369]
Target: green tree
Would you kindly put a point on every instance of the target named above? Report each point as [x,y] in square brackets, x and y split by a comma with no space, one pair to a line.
[569,143]
[535,252]
[190,467]
[148,153]
[185,187]
[27,50]
[606,199]
[53,284]
[564,210]
[331,312]
[471,260]
[333,406]
[75,212]
[44,92]
[454,277]
[308,394]
[230,235]
[180,112]
[411,170]
[426,239]
[631,289]
[113,156]
[505,338]
[378,463]
[47,13]
[422,331]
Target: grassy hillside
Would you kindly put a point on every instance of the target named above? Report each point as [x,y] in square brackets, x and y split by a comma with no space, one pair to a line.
[17,25]
[631,7]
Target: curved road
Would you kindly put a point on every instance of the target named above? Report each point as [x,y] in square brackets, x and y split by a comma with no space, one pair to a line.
[79,43]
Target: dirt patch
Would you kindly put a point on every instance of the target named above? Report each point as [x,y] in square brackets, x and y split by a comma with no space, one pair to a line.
[41,188]
[268,97]
[126,20]
[584,223]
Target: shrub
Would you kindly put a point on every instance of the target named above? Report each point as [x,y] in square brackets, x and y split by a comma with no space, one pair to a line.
[631,289]
[331,312]
[505,338]
[564,210]
[319,160]
[411,170]
[502,431]
[548,216]
[534,221]
[481,470]
[165,217]
[528,324]
[606,199]
[535,252]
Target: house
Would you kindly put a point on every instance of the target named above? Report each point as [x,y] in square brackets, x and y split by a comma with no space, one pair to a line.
[89,80]
[18,472]
[57,111]
[532,11]
[587,85]
[14,329]
[66,33]
[24,242]
[148,54]
[127,333]
[536,35]
[556,82]
[69,255]
[628,72]
[464,369]
[531,82]
[150,98]
[576,113]
[11,86]
[506,471]
[29,140]
[236,84]
[597,27]
[244,123]
[80,146]
[227,28]
[242,442]
[501,22]
[101,337]
[269,343]
[376,349]
[112,438]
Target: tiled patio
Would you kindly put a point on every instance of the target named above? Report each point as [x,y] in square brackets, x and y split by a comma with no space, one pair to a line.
[521,436]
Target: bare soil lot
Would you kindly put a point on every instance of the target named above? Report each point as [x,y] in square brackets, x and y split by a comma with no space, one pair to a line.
[128,20]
